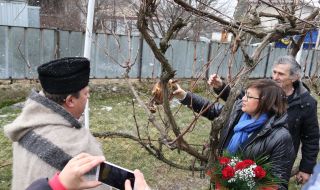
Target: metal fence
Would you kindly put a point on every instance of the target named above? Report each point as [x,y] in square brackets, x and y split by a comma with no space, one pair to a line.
[23,49]
[15,13]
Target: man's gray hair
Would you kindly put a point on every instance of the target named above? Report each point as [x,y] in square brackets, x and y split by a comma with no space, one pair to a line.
[295,68]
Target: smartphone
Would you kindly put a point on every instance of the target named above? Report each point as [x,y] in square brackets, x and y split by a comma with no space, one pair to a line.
[114,175]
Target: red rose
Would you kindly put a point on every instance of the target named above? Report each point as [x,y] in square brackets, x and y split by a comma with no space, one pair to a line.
[227,172]
[224,160]
[259,172]
[248,162]
[240,165]
[244,164]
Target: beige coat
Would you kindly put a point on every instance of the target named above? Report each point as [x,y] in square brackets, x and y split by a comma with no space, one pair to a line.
[48,121]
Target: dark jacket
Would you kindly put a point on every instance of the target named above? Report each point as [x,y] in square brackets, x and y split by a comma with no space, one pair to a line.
[304,127]
[273,140]
[302,123]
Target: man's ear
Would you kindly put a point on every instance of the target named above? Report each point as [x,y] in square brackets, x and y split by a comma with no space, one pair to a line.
[295,77]
[69,101]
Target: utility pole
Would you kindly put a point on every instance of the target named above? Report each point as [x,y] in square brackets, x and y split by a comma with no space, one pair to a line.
[87,50]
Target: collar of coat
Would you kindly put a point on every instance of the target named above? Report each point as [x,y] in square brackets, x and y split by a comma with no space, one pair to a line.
[41,99]
[299,90]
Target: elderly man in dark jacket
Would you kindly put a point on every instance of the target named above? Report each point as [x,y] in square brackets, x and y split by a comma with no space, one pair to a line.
[302,111]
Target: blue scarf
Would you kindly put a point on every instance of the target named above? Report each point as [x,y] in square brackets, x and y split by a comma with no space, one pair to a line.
[245,126]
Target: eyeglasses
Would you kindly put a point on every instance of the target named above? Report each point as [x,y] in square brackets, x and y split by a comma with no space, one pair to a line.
[247,97]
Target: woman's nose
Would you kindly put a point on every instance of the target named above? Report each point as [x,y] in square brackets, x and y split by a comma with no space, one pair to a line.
[244,98]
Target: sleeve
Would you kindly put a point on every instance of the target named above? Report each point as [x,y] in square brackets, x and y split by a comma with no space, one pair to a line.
[225,90]
[282,159]
[199,104]
[309,139]
[40,184]
[55,183]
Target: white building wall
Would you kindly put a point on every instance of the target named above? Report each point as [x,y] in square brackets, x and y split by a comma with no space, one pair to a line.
[269,22]
[216,36]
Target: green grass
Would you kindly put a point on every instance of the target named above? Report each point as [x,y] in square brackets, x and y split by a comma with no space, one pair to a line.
[6,116]
[125,152]
[9,102]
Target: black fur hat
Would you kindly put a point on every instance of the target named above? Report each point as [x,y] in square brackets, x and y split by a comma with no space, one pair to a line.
[64,76]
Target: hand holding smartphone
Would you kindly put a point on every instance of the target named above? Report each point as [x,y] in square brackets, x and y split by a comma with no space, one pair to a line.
[114,175]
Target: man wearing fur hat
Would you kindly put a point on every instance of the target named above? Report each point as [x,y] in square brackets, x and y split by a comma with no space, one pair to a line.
[47,134]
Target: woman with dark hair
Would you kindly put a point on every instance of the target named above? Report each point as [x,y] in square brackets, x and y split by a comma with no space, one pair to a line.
[256,126]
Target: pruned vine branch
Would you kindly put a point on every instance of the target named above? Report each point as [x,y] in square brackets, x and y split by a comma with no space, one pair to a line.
[147,146]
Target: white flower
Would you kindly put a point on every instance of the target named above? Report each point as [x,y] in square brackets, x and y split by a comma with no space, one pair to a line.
[234,161]
[232,180]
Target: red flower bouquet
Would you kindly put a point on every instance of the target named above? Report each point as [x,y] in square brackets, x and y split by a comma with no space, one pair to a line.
[236,174]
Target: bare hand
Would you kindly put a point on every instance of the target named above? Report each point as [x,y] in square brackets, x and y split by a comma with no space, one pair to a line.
[71,176]
[302,177]
[179,92]
[139,182]
[215,81]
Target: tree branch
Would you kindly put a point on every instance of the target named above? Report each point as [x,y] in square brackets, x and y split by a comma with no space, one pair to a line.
[288,14]
[257,52]
[147,146]
[173,29]
[187,7]
[296,46]
[142,26]
[263,14]
[152,119]
[166,73]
